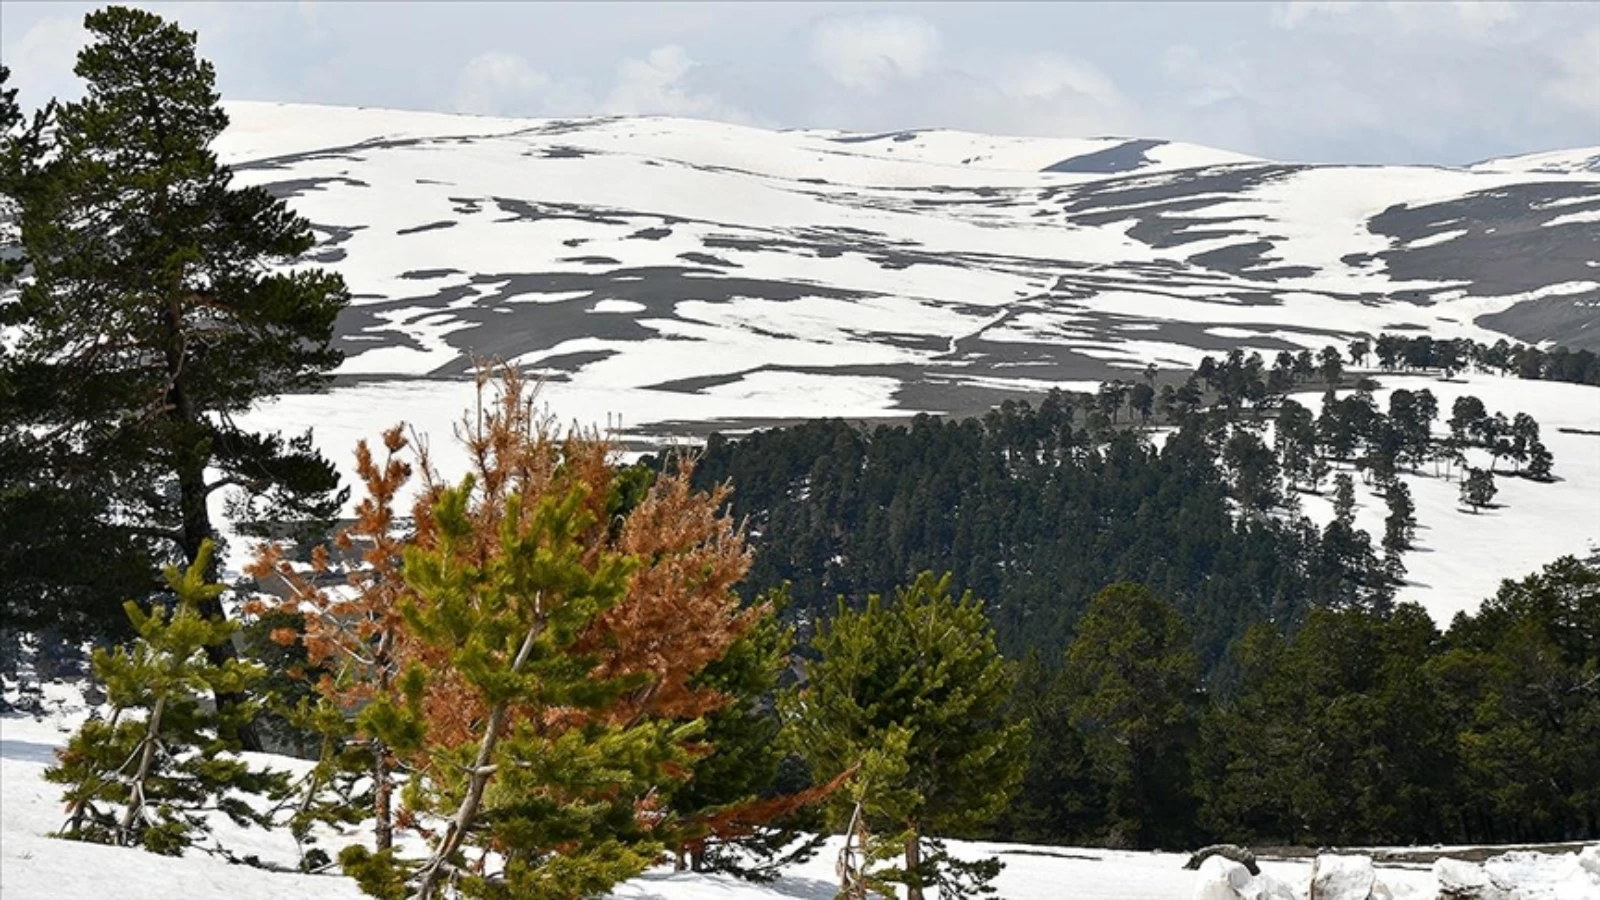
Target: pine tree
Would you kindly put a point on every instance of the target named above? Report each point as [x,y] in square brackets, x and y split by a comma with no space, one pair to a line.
[157,307]
[1132,686]
[1344,499]
[350,636]
[1524,689]
[1316,472]
[558,612]
[724,818]
[48,585]
[1330,365]
[1334,736]
[911,692]
[1477,489]
[1400,527]
[1465,415]
[1540,461]
[1359,349]
[148,780]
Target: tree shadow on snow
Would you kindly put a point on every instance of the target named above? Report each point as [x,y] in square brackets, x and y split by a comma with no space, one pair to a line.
[787,886]
[28,751]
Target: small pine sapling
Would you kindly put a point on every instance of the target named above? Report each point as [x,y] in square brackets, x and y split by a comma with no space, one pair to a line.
[153,780]
[351,634]
[912,692]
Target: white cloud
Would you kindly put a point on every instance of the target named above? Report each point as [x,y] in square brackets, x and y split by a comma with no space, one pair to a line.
[497,83]
[868,52]
[1478,19]
[311,16]
[1052,76]
[1206,81]
[663,83]
[1577,82]
[1482,17]
[1290,15]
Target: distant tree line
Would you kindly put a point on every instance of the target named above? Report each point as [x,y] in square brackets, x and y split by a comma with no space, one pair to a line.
[1247,675]
[1422,352]
[1034,512]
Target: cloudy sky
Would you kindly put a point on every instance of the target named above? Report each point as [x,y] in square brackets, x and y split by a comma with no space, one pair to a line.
[1432,82]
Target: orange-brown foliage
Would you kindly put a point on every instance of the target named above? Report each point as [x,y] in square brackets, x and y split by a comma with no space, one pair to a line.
[354,633]
[680,612]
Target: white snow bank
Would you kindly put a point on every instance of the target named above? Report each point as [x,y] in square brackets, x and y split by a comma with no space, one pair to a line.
[35,866]
[1524,875]
[1224,879]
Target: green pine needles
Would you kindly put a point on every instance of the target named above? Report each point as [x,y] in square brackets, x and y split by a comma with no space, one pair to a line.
[912,692]
[152,774]
[498,611]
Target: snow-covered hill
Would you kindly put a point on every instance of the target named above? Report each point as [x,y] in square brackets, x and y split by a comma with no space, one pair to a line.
[913,270]
[665,275]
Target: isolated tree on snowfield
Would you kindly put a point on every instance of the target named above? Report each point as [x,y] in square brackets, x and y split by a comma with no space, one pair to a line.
[1477,489]
[158,306]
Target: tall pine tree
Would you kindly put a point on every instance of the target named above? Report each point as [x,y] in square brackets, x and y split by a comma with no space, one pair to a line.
[159,305]
[1132,685]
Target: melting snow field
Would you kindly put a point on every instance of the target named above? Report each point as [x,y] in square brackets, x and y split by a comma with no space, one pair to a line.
[631,251]
[34,866]
[1460,557]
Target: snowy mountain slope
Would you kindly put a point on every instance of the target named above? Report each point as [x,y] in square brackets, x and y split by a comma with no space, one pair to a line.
[1552,162]
[668,275]
[672,256]
[33,865]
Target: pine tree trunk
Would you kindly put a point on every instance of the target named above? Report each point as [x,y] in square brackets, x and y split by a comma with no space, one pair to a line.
[914,866]
[433,870]
[196,519]
[146,760]
[382,777]
[382,793]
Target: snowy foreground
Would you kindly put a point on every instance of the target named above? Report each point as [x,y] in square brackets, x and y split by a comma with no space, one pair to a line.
[35,866]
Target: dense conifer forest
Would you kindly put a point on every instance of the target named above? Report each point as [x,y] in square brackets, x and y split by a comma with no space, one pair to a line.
[1037,507]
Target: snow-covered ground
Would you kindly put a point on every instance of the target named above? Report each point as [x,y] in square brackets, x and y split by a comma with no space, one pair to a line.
[1460,557]
[34,866]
